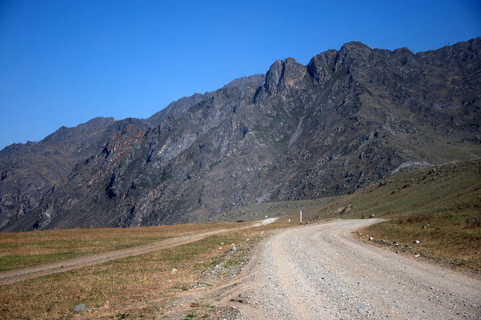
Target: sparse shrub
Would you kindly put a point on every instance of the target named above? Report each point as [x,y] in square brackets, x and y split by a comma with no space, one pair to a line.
[473,222]
[414,218]
[418,218]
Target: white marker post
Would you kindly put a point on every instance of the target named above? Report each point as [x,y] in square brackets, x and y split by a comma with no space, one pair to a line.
[300,215]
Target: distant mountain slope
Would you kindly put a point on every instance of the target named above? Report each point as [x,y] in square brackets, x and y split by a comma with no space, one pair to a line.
[30,171]
[347,119]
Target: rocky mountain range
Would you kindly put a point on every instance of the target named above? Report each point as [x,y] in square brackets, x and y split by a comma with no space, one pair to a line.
[349,118]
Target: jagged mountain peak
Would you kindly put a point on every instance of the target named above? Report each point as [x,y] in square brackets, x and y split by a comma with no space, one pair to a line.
[403,51]
[284,75]
[355,45]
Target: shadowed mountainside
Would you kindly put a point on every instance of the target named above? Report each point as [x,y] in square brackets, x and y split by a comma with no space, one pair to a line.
[346,120]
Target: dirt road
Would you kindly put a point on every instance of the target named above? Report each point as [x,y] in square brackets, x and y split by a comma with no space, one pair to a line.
[321,272]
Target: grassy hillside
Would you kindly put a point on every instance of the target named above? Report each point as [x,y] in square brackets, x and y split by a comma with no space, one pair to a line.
[438,206]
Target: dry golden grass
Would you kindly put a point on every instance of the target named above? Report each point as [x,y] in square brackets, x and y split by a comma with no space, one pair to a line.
[135,287]
[26,249]
[442,237]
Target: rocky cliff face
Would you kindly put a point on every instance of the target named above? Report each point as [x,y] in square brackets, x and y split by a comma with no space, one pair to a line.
[347,119]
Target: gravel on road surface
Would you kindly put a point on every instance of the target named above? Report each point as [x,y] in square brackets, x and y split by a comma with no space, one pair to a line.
[322,272]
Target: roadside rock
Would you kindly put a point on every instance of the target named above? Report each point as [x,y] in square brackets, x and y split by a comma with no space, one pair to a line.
[79,308]
[184,301]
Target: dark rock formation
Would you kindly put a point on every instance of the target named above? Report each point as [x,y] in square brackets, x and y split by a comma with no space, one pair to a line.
[348,119]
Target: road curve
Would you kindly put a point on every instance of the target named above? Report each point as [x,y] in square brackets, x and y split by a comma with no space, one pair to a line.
[321,272]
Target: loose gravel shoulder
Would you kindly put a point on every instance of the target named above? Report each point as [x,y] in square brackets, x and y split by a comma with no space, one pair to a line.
[321,272]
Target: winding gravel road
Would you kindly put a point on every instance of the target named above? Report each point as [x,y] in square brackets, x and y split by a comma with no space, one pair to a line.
[321,272]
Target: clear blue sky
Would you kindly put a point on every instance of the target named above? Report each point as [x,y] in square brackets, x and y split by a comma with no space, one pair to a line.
[64,62]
